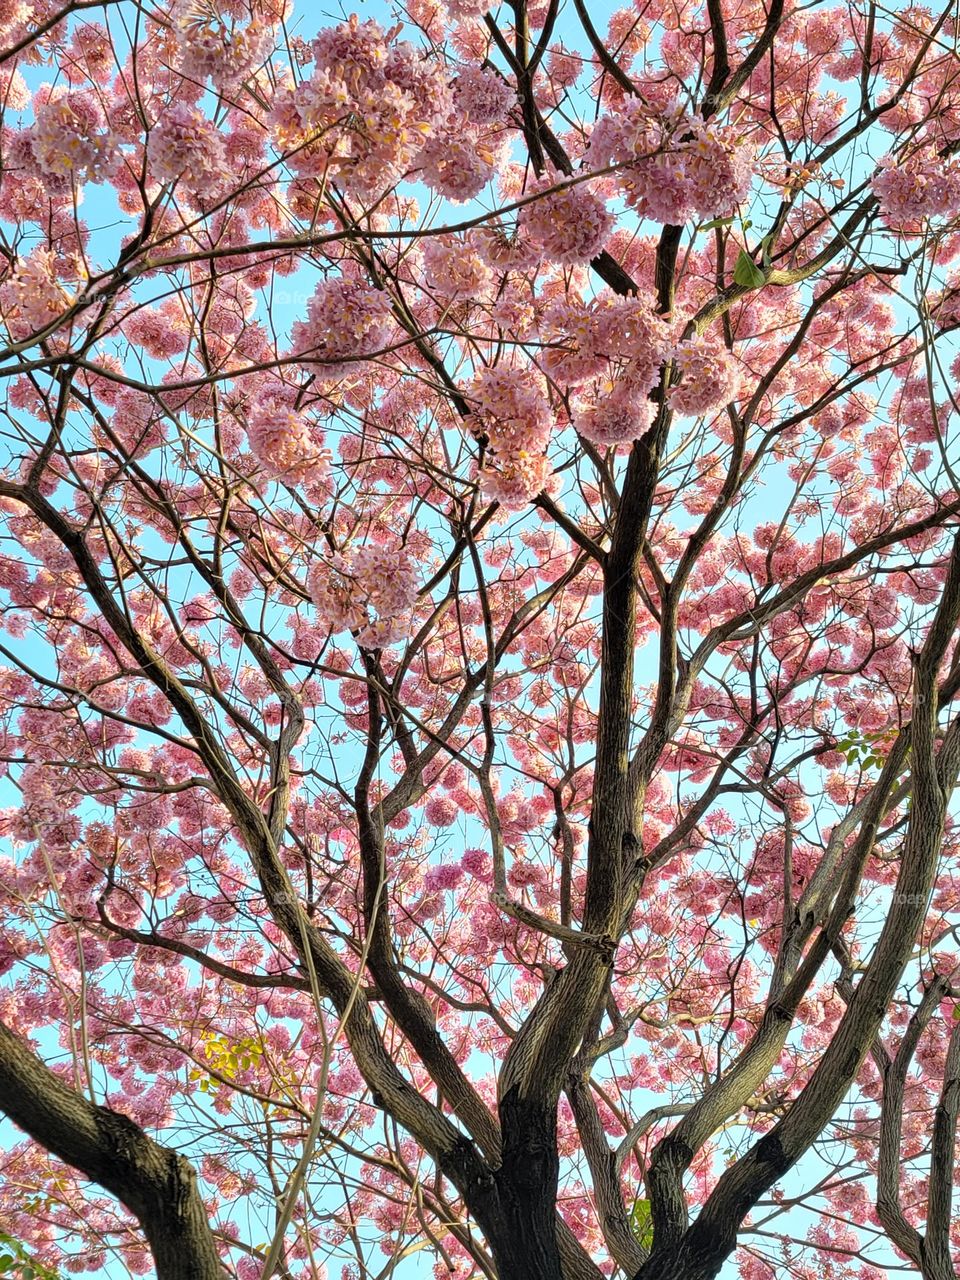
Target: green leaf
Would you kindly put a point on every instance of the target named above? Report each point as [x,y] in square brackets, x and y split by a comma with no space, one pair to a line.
[714,223]
[747,273]
[6,1262]
[641,1222]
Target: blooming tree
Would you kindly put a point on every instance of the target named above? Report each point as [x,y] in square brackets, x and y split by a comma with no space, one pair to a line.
[479,593]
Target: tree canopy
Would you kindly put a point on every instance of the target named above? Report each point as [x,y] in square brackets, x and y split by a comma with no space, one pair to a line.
[479,604]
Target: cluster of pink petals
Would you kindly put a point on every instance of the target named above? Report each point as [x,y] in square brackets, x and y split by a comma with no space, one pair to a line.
[212,46]
[187,148]
[515,479]
[455,269]
[673,167]
[482,95]
[945,305]
[515,416]
[915,189]
[371,590]
[611,354]
[69,134]
[618,337]
[283,442]
[466,10]
[708,377]
[613,414]
[346,319]
[161,331]
[32,297]
[13,15]
[569,225]
[365,112]
[445,876]
[459,162]
[502,252]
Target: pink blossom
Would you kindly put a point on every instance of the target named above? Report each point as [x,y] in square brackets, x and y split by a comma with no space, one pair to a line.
[186,148]
[482,94]
[32,298]
[613,416]
[564,67]
[569,225]
[454,268]
[160,331]
[366,111]
[444,877]
[917,188]
[476,862]
[345,318]
[369,589]
[709,377]
[284,442]
[458,163]
[674,167]
[211,46]
[70,135]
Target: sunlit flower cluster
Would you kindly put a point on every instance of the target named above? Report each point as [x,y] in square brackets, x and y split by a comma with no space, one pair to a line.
[673,167]
[187,148]
[212,46]
[515,417]
[284,442]
[32,297]
[917,188]
[370,589]
[568,225]
[69,135]
[454,269]
[708,377]
[345,318]
[365,112]
[482,95]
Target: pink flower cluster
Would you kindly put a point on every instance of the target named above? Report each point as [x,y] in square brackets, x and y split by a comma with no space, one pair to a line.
[708,377]
[458,163]
[618,337]
[454,269]
[922,186]
[211,46]
[366,111]
[371,590]
[515,416]
[613,414]
[187,148]
[674,166]
[69,135]
[345,319]
[482,95]
[32,297]
[282,440]
[612,352]
[161,331]
[569,225]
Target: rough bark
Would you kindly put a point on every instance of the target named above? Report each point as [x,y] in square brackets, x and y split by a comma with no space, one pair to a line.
[157,1185]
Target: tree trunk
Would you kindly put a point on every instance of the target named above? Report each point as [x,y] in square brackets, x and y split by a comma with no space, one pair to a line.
[525,1247]
[156,1184]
